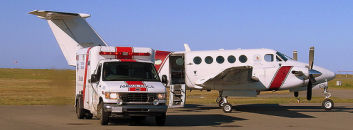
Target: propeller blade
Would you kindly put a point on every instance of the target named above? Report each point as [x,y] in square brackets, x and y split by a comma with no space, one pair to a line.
[311,57]
[295,55]
[309,91]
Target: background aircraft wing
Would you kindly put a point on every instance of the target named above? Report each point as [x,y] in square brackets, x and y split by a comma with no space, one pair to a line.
[230,76]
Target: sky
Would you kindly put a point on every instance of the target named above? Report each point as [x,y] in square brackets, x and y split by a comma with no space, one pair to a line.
[27,41]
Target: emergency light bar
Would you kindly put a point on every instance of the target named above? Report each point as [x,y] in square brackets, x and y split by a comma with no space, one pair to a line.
[124,53]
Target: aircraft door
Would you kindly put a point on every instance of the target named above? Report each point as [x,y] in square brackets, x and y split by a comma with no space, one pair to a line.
[177,81]
[270,66]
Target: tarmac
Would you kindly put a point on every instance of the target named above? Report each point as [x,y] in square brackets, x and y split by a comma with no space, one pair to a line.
[192,116]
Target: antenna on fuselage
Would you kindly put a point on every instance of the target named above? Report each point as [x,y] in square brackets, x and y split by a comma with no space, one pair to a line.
[295,55]
[187,48]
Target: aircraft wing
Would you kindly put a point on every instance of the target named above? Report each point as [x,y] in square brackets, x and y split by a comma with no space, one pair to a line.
[71,31]
[233,76]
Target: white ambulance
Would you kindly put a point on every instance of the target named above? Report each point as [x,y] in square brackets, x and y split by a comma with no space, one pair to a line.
[110,81]
[118,82]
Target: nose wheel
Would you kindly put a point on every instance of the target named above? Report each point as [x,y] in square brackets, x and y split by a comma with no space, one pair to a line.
[327,104]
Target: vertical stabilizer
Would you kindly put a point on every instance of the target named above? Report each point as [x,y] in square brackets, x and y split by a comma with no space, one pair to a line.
[72,32]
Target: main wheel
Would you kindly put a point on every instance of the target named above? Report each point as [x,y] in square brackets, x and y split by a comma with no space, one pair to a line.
[327,104]
[103,116]
[227,108]
[79,110]
[160,120]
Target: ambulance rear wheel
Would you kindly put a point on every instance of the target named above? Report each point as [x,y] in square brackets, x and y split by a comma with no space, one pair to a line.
[227,108]
[327,104]
[79,110]
[160,120]
[103,116]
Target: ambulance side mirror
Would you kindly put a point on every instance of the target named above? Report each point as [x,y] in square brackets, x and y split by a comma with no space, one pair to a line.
[94,78]
[164,79]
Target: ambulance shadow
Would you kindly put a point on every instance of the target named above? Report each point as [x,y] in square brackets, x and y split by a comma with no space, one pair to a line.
[182,120]
[201,120]
[285,111]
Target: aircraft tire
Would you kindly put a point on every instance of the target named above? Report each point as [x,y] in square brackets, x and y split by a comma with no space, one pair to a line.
[327,104]
[227,108]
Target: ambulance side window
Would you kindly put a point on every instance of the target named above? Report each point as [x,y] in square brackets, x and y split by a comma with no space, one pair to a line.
[99,71]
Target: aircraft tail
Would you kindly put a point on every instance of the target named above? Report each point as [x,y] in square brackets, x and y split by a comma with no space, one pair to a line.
[72,32]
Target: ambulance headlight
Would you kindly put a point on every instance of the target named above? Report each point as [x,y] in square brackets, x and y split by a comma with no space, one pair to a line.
[161,96]
[155,102]
[111,95]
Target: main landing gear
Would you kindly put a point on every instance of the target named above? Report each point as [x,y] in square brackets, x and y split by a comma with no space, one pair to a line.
[223,103]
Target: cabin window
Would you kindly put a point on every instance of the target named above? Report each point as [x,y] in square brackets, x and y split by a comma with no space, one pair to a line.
[197,60]
[268,57]
[243,58]
[208,59]
[220,59]
[231,59]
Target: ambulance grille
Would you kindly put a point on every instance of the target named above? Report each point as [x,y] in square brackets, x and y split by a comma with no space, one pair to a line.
[138,97]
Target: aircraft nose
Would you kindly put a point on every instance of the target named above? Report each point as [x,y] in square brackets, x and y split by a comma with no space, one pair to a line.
[326,74]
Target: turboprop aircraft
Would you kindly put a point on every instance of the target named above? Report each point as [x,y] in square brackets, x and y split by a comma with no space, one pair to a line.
[240,72]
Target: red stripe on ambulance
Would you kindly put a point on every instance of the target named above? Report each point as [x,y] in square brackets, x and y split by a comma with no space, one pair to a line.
[134,83]
[85,78]
[280,77]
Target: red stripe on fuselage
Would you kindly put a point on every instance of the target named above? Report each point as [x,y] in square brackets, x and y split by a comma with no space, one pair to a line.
[85,78]
[163,56]
[280,77]
[126,52]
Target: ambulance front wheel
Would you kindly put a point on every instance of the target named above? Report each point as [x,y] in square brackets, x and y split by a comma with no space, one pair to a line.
[103,116]
[160,120]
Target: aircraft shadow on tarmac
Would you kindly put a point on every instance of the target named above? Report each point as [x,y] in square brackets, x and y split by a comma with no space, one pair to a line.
[269,109]
[286,111]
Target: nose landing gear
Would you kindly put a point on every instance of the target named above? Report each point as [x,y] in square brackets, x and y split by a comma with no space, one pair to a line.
[327,104]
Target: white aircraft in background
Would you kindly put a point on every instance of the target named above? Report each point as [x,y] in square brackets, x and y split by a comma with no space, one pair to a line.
[241,72]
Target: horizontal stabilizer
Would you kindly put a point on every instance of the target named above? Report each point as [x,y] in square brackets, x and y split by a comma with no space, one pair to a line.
[71,31]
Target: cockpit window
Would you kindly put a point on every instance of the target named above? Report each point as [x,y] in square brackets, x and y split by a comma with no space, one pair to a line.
[283,57]
[269,57]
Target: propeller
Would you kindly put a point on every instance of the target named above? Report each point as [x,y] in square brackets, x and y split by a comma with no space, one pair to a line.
[312,72]
[295,57]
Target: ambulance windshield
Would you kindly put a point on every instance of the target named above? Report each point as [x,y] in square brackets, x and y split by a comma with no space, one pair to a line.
[129,71]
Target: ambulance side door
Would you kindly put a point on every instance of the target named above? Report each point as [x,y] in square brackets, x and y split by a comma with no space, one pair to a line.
[95,87]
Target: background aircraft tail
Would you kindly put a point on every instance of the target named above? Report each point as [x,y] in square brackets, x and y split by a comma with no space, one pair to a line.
[72,32]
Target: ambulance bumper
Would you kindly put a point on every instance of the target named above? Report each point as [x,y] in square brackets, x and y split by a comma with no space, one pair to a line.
[135,110]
